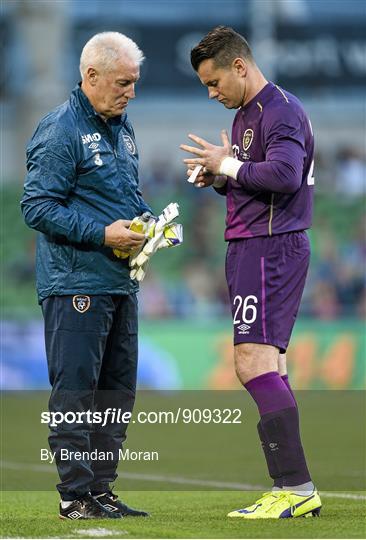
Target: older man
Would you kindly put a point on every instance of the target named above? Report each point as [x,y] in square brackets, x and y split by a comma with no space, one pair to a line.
[81,193]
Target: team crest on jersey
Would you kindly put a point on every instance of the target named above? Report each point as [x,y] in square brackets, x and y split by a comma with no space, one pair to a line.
[81,303]
[130,145]
[247,139]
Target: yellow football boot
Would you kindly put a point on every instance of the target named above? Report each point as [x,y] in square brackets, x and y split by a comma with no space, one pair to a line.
[281,504]
[265,501]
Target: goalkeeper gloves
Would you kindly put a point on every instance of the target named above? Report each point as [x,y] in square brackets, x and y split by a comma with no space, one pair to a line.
[160,233]
[172,235]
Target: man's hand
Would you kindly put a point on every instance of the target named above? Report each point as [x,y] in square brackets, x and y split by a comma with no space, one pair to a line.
[203,179]
[144,224]
[210,156]
[118,235]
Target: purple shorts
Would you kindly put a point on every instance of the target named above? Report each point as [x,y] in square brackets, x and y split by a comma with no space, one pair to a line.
[266,278]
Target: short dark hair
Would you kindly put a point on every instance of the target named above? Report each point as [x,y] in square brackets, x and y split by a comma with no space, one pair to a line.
[223,45]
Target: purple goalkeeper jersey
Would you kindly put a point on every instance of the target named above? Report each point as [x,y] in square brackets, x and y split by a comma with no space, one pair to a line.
[273,192]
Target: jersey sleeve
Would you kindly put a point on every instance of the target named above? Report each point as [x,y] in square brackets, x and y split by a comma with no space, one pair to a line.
[284,143]
[51,175]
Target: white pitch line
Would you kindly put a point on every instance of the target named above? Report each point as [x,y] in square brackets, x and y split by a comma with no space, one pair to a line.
[178,480]
[98,532]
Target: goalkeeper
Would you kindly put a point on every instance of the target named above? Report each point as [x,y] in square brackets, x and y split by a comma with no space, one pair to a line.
[82,194]
[266,175]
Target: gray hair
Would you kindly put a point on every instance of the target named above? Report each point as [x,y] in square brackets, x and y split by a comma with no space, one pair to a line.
[104,49]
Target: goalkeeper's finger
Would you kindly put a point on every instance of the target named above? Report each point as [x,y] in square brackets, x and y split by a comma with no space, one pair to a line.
[141,259]
[149,249]
[138,272]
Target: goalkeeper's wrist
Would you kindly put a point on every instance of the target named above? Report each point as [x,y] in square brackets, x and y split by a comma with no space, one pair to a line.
[219,181]
[230,167]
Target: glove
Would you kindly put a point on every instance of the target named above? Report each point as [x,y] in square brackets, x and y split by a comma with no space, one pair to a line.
[162,233]
[172,236]
[140,224]
[154,234]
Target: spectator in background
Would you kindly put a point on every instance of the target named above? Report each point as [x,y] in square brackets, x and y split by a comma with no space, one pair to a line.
[153,299]
[158,178]
[351,172]
[325,303]
[325,166]
[351,268]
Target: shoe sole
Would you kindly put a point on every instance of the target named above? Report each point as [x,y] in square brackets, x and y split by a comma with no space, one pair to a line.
[128,514]
[69,519]
[312,513]
[85,519]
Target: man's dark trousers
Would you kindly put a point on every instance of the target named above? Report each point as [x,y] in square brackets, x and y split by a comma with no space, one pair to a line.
[91,346]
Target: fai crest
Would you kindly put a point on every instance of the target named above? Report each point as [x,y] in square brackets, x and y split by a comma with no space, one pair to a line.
[130,145]
[81,303]
[247,139]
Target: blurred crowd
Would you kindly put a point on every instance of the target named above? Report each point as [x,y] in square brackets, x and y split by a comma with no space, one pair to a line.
[189,281]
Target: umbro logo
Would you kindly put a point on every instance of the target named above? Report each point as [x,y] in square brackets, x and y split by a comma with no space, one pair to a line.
[243,329]
[273,446]
[94,147]
[74,515]
[110,507]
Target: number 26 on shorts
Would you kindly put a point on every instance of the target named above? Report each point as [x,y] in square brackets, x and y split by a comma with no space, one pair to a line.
[245,309]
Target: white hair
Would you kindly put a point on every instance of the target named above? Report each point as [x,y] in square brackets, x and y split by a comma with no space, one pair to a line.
[104,49]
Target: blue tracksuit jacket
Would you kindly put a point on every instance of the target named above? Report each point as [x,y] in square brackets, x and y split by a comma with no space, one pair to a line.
[82,176]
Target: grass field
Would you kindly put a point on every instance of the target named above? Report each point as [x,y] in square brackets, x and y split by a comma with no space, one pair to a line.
[178,515]
[192,457]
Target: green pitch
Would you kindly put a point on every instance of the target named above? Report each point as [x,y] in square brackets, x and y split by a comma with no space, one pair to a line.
[336,451]
[177,515]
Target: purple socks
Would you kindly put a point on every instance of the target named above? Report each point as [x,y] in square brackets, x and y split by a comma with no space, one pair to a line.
[270,392]
[287,383]
[278,429]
